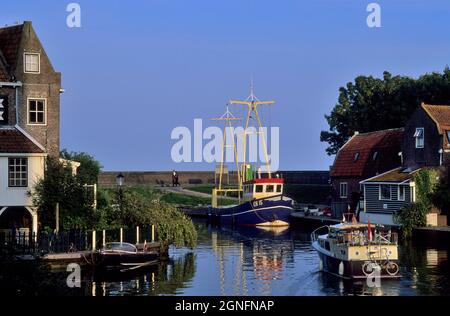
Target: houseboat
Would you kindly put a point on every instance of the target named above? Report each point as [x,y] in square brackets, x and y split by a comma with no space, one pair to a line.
[354,250]
[261,201]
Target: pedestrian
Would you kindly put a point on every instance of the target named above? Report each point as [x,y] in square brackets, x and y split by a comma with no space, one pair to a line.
[174,178]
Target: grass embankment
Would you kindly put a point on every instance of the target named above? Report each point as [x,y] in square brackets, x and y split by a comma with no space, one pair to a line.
[178,198]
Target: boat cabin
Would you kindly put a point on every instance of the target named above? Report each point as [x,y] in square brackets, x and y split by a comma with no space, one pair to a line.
[263,188]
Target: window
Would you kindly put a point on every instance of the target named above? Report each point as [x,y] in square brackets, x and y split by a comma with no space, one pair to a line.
[419,135]
[32,63]
[279,188]
[375,156]
[401,192]
[385,192]
[259,189]
[18,172]
[355,159]
[448,138]
[37,111]
[343,187]
[270,188]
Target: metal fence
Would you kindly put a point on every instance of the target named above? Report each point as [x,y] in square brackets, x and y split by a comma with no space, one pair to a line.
[72,241]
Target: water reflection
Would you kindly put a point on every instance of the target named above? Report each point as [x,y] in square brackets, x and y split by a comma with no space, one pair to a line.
[245,261]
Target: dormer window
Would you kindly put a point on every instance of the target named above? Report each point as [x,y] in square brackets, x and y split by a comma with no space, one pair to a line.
[375,156]
[356,157]
[419,135]
[32,63]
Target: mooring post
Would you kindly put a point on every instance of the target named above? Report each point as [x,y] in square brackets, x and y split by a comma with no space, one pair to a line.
[104,238]
[137,235]
[94,241]
[153,233]
[121,235]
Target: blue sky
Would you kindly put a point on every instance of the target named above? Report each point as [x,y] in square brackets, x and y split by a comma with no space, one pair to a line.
[137,69]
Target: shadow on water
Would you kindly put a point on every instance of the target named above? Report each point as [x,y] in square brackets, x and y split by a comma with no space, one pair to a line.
[243,261]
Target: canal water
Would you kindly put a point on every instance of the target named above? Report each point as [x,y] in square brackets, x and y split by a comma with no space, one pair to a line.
[244,262]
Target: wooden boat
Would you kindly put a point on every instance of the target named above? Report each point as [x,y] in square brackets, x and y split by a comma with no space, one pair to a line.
[124,256]
[354,250]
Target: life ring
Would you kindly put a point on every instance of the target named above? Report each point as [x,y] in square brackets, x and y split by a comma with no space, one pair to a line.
[392,268]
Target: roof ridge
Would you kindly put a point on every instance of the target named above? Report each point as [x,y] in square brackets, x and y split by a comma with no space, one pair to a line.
[10,26]
[383,131]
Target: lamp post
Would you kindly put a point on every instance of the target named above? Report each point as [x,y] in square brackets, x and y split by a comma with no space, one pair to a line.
[120,179]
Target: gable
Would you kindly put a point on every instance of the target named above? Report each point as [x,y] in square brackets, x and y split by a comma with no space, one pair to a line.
[10,39]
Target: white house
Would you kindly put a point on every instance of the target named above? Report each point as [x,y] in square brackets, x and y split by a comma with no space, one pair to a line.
[22,164]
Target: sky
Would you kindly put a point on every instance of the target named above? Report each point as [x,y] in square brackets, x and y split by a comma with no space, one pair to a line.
[135,70]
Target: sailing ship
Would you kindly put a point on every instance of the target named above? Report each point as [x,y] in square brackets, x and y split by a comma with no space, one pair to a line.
[261,198]
[355,250]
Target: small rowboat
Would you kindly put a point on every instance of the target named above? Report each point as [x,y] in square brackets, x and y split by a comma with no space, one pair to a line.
[124,257]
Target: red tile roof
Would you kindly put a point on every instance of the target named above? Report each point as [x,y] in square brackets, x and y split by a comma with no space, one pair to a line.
[366,155]
[12,141]
[10,38]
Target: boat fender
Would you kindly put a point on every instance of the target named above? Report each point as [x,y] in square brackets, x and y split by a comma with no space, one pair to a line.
[320,265]
[341,268]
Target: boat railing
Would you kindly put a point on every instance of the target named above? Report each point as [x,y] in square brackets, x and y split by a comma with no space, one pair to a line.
[315,234]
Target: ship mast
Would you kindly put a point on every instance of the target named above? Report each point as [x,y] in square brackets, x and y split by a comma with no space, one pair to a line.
[228,118]
[253,102]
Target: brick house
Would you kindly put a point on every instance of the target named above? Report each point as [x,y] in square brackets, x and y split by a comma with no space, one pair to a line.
[425,144]
[363,156]
[29,121]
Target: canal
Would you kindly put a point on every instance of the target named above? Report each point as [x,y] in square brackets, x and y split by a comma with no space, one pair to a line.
[241,262]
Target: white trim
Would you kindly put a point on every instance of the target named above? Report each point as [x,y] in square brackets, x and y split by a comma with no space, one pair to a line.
[3,210]
[382,174]
[398,192]
[346,190]
[10,84]
[365,199]
[25,63]
[257,210]
[45,111]
[20,155]
[416,137]
[30,137]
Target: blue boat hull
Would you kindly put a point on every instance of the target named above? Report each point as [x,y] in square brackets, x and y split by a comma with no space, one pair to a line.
[262,212]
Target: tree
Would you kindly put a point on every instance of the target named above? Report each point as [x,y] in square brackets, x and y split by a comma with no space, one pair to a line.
[89,169]
[369,104]
[60,186]
[414,215]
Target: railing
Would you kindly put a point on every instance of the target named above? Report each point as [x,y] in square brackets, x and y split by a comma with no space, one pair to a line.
[315,234]
[72,241]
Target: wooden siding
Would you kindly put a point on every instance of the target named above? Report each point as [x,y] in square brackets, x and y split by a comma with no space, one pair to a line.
[374,204]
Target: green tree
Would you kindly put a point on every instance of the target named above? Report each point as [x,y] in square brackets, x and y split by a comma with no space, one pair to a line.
[60,186]
[414,215]
[369,104]
[89,169]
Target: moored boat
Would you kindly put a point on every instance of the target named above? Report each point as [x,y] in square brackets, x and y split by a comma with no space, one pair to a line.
[124,256]
[355,250]
[261,198]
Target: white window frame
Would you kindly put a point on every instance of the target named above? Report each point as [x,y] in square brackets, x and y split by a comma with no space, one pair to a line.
[416,137]
[45,111]
[25,63]
[13,174]
[341,195]
[379,192]
[400,187]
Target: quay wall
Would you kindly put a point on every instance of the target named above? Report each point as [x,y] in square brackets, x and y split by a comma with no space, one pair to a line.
[107,179]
